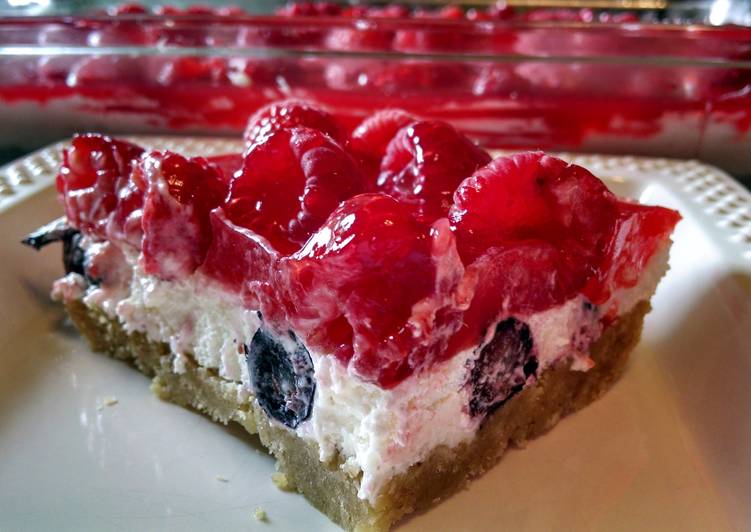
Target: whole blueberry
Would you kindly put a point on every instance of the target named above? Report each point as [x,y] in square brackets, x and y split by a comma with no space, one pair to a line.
[282,379]
[502,368]
[74,257]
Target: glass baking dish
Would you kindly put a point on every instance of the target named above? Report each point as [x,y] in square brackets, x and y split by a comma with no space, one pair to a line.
[608,84]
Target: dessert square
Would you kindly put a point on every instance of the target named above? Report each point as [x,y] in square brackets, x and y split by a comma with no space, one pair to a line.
[388,308]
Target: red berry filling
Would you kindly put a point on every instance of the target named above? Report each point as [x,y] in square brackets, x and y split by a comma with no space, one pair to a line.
[425,162]
[94,171]
[370,139]
[531,196]
[364,288]
[180,193]
[388,282]
[284,115]
[289,184]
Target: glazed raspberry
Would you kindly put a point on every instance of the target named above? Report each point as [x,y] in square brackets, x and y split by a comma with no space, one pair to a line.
[560,15]
[289,184]
[425,162]
[125,223]
[638,231]
[366,35]
[370,139]
[432,37]
[354,39]
[180,193]
[359,276]
[287,114]
[95,168]
[519,279]
[540,230]
[226,164]
[171,71]
[531,196]
[309,9]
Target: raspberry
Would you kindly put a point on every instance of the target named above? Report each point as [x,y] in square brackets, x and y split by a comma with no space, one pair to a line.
[495,80]
[531,196]
[520,279]
[179,194]
[369,251]
[637,232]
[367,35]
[289,184]
[237,256]
[559,15]
[309,9]
[539,230]
[376,287]
[226,164]
[425,162]
[95,169]
[370,139]
[287,114]
[359,39]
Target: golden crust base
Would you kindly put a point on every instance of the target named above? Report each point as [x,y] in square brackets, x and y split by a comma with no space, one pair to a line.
[531,412]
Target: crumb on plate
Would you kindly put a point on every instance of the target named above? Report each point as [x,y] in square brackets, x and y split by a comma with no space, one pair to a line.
[260,515]
[107,401]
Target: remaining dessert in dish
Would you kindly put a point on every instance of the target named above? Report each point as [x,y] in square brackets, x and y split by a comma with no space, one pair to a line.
[389,308]
[201,70]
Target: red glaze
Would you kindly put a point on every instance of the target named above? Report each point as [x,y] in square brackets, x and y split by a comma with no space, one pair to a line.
[638,231]
[370,139]
[227,165]
[387,284]
[425,162]
[180,193]
[343,285]
[238,257]
[291,180]
[287,114]
[95,168]
[532,196]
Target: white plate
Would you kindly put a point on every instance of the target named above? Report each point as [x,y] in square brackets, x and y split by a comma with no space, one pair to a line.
[668,448]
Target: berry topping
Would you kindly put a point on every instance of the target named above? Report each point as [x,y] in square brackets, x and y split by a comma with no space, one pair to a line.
[346,277]
[373,287]
[227,165]
[532,196]
[370,139]
[638,231]
[503,367]
[281,374]
[238,257]
[180,193]
[388,282]
[425,162]
[520,279]
[284,115]
[95,168]
[289,184]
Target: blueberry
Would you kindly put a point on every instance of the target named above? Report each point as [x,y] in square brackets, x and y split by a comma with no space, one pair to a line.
[74,257]
[282,380]
[502,368]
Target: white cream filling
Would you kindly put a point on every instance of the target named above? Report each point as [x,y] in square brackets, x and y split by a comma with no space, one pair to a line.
[378,433]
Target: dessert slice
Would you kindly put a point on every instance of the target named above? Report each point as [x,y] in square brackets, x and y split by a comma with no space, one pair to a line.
[388,310]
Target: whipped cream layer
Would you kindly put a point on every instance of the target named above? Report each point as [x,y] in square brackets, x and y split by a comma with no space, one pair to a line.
[377,433]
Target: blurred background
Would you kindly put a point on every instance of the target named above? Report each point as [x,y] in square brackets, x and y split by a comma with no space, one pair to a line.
[641,77]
